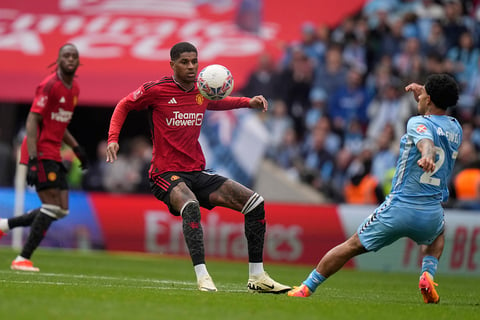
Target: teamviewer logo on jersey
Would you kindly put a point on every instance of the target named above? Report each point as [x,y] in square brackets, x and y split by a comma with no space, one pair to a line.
[62,115]
[185,119]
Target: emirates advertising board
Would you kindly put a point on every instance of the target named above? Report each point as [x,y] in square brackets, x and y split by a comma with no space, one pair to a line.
[296,233]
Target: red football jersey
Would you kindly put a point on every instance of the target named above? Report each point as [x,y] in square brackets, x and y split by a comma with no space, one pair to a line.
[175,117]
[55,102]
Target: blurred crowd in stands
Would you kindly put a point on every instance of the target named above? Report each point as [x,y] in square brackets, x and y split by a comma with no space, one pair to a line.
[338,104]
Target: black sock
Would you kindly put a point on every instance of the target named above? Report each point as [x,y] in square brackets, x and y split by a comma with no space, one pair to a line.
[255,227]
[193,232]
[24,220]
[39,228]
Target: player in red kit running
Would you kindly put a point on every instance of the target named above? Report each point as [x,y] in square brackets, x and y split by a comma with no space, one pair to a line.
[52,109]
[177,177]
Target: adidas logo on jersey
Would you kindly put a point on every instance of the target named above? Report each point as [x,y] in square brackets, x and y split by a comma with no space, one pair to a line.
[172,101]
[62,100]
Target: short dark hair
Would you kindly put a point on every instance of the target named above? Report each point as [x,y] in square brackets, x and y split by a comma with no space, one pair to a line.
[68,44]
[180,48]
[442,89]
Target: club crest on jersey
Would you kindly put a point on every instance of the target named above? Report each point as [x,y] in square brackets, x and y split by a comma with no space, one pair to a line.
[52,176]
[199,98]
[173,178]
[75,101]
[421,128]
[42,102]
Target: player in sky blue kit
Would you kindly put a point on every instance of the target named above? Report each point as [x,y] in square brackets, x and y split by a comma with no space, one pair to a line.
[413,208]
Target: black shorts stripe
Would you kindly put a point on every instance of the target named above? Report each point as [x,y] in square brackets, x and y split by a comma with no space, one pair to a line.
[162,183]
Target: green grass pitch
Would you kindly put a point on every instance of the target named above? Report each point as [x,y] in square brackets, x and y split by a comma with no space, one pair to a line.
[100,285]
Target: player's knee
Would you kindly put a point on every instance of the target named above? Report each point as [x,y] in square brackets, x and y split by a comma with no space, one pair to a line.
[191,211]
[253,204]
[54,211]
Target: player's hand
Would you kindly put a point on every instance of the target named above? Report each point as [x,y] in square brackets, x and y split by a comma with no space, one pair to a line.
[112,150]
[259,102]
[415,88]
[82,156]
[427,164]
[32,173]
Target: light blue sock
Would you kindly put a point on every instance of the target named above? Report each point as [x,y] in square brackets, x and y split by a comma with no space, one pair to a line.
[429,264]
[314,280]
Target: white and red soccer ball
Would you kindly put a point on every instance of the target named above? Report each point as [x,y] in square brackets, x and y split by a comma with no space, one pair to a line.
[215,82]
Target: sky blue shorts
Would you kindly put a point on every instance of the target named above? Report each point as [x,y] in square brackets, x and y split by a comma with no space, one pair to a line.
[395,219]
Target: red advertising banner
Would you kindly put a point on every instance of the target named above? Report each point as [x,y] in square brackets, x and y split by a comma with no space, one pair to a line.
[125,43]
[295,233]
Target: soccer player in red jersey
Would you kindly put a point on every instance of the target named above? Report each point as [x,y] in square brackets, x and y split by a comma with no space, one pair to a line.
[52,109]
[177,177]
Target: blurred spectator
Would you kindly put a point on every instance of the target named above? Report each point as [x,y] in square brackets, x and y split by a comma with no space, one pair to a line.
[355,53]
[287,154]
[428,12]
[462,61]
[389,106]
[465,184]
[340,178]
[379,29]
[380,76]
[318,162]
[262,79]
[435,42]
[349,102]
[362,187]
[409,61]
[128,172]
[434,63]
[391,43]
[333,74]
[454,23]
[333,141]
[354,136]
[277,123]
[318,105]
[344,31]
[385,155]
[475,136]
[249,15]
[294,86]
[310,44]
[95,175]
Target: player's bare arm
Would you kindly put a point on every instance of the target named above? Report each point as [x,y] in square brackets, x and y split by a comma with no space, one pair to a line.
[112,150]
[427,149]
[33,121]
[259,102]
[69,140]
[415,88]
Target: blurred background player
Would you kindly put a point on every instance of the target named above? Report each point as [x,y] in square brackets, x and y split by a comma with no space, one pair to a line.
[177,172]
[52,109]
[413,209]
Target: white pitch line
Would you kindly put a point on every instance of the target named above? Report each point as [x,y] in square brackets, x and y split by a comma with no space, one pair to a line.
[108,278]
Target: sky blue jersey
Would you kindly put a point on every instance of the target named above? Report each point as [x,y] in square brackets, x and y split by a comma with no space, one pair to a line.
[411,183]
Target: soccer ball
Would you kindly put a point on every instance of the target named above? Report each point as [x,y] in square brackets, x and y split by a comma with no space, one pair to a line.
[215,82]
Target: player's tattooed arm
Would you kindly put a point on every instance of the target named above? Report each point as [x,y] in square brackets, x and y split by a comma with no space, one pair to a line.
[427,160]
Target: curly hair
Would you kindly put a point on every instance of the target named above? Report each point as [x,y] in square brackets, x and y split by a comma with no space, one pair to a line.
[442,89]
[180,48]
